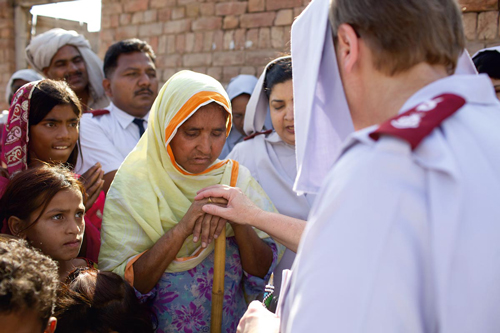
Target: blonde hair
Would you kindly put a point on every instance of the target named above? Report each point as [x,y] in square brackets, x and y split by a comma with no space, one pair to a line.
[403,33]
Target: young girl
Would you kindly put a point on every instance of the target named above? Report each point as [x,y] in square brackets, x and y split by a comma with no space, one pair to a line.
[45,205]
[43,128]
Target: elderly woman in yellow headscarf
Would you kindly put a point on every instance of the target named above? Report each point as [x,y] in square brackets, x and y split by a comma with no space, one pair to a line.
[156,236]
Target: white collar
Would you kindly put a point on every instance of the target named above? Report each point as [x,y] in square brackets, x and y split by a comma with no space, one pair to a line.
[124,119]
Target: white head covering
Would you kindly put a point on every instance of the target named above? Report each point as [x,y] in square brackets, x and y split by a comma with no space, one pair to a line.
[257,106]
[43,47]
[465,64]
[322,117]
[241,84]
[23,74]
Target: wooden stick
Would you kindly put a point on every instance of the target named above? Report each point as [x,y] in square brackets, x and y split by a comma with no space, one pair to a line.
[218,286]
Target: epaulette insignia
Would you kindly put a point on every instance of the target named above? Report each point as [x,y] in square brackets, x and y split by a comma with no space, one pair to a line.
[415,124]
[97,113]
[251,136]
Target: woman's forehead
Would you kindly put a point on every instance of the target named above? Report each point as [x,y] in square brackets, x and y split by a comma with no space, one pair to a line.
[207,116]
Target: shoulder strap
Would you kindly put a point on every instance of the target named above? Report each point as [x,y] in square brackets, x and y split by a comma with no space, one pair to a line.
[257,133]
[415,124]
[97,113]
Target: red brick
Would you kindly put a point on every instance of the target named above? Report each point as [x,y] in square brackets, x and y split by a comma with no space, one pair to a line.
[174,60]
[197,59]
[264,38]
[125,32]
[207,23]
[257,20]
[164,14]
[170,44]
[153,42]
[152,29]
[229,72]
[190,42]
[230,8]
[185,2]
[115,20]
[111,8]
[215,72]
[257,5]
[297,11]
[162,45]
[199,40]
[105,22]
[159,4]
[150,15]
[178,26]
[249,70]
[284,17]
[252,39]
[192,10]
[259,58]
[230,22]
[167,73]
[125,19]
[280,4]
[107,35]
[207,9]
[229,40]
[239,39]
[470,25]
[202,70]
[208,41]
[178,13]
[487,25]
[132,6]
[277,40]
[478,5]
[137,18]
[218,40]
[305,2]
[229,58]
[180,43]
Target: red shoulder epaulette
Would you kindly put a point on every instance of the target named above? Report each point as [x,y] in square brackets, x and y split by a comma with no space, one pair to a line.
[415,124]
[251,136]
[97,113]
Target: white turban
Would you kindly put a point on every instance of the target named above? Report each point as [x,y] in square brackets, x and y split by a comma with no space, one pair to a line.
[43,47]
[23,74]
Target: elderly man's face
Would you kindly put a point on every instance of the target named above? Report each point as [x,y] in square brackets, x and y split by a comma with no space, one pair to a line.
[68,65]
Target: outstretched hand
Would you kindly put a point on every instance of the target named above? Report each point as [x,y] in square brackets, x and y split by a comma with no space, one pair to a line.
[240,209]
[258,319]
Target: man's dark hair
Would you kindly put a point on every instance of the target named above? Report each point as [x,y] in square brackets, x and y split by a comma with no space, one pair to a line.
[125,47]
[28,280]
[488,62]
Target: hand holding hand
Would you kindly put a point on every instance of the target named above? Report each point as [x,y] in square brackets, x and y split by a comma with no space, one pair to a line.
[93,181]
[240,209]
[258,319]
[198,223]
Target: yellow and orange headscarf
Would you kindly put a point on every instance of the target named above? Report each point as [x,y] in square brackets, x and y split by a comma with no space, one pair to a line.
[151,192]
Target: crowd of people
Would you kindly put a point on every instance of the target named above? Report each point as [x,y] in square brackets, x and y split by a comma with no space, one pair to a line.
[361,172]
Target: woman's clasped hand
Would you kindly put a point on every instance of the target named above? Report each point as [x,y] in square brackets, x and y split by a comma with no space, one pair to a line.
[202,225]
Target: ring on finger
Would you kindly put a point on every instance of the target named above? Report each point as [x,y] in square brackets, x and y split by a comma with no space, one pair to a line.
[210,199]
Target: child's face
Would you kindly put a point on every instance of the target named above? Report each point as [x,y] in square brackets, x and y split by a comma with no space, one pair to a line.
[59,231]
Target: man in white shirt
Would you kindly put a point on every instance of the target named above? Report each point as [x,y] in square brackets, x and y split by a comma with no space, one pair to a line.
[108,136]
[403,235]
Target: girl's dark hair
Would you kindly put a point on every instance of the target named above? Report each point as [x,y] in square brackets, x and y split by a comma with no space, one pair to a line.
[488,62]
[279,72]
[34,188]
[48,94]
[95,301]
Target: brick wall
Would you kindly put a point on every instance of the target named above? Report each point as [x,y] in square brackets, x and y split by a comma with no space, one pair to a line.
[480,19]
[222,39]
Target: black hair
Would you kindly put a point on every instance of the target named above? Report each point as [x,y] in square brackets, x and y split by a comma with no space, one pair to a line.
[125,47]
[488,62]
[279,72]
[28,280]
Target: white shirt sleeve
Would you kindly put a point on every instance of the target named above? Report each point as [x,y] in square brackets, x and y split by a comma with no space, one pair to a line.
[361,265]
[97,147]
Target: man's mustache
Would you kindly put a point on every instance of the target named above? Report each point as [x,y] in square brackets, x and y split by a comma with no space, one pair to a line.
[140,91]
[77,73]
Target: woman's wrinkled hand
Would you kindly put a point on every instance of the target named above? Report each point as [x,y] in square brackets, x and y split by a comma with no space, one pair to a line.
[93,181]
[202,225]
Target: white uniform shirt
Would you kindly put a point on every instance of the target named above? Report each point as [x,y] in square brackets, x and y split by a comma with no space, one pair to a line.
[407,241]
[272,163]
[107,139]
